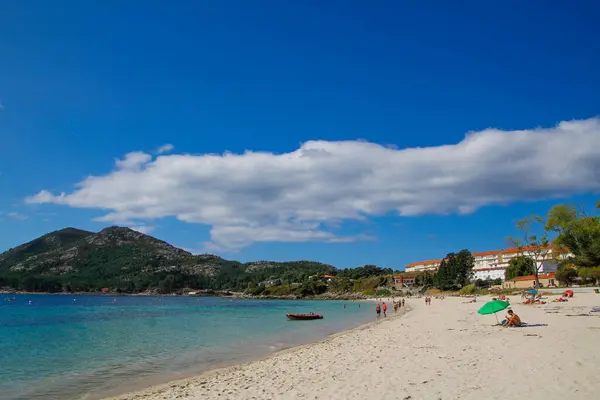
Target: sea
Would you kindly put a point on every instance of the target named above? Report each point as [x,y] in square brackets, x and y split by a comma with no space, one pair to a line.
[86,347]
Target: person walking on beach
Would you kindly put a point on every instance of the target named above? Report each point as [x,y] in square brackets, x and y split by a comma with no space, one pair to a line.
[384,309]
[378,310]
[396,307]
[402,302]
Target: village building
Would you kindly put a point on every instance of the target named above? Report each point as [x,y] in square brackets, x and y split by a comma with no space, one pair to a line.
[404,281]
[528,282]
[493,264]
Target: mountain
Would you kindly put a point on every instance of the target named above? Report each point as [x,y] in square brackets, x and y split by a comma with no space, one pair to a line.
[126,260]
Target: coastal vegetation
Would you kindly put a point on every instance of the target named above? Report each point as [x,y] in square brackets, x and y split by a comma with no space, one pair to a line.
[121,260]
[576,241]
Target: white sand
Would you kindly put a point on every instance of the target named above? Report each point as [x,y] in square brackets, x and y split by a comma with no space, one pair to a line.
[444,351]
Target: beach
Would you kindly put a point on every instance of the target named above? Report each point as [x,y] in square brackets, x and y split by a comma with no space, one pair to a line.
[442,351]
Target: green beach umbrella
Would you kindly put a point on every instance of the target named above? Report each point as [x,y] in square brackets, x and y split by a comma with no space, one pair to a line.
[492,307]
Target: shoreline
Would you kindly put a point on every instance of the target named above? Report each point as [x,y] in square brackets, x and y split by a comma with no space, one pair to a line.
[140,390]
[442,351]
[216,293]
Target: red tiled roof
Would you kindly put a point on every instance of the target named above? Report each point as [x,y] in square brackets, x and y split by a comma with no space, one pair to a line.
[549,275]
[486,253]
[428,262]
[511,250]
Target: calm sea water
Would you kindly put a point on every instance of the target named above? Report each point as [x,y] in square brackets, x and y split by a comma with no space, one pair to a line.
[58,348]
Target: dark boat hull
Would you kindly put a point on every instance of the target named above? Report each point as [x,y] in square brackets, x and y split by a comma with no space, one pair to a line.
[304,317]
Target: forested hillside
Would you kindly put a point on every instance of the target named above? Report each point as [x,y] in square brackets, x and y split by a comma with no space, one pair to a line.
[128,261]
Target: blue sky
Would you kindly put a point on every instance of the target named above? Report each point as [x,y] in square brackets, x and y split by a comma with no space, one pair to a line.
[83,84]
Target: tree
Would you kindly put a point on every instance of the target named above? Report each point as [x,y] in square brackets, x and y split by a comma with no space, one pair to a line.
[455,271]
[464,267]
[577,232]
[533,242]
[442,279]
[590,274]
[166,286]
[497,281]
[519,266]
[566,275]
[425,279]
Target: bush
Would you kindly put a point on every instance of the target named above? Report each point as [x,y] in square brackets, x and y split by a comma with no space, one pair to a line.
[469,289]
[256,291]
[279,290]
[311,288]
[565,275]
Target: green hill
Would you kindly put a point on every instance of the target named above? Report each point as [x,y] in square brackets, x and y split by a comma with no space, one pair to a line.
[126,260]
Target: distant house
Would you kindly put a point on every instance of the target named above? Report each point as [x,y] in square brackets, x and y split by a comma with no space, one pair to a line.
[402,281]
[271,282]
[528,282]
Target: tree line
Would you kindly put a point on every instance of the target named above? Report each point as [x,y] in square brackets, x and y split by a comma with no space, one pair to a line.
[575,247]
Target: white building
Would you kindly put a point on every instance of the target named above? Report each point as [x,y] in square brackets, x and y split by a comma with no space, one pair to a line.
[493,264]
[420,266]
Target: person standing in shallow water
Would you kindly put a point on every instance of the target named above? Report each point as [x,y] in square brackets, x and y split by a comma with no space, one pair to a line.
[384,309]
[378,310]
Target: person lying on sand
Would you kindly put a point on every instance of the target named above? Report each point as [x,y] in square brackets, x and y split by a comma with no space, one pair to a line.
[512,319]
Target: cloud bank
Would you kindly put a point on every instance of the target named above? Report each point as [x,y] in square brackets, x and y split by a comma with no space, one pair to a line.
[299,196]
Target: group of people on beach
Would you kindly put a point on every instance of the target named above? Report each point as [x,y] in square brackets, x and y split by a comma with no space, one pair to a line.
[383,307]
[427,300]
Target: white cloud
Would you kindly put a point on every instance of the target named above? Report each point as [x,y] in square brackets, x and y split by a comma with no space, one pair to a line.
[165,148]
[143,228]
[235,237]
[133,160]
[16,215]
[302,195]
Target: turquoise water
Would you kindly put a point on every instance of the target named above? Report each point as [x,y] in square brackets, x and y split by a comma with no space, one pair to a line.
[58,348]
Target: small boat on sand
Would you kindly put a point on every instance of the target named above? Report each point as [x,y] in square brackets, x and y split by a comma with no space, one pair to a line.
[304,317]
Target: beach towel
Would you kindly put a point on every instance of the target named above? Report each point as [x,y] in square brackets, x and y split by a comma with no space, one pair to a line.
[523,325]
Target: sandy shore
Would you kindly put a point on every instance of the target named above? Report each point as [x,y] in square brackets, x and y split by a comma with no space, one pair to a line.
[444,351]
